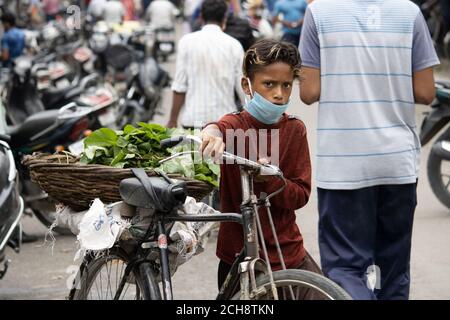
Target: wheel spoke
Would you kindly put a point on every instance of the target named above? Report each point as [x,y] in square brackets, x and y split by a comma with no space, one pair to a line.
[101,283]
[108,287]
[297,295]
[448,183]
[101,269]
[126,290]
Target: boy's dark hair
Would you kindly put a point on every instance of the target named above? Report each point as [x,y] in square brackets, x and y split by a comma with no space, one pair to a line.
[266,52]
[214,10]
[8,17]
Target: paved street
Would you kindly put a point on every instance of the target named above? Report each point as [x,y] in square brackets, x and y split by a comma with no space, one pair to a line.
[37,274]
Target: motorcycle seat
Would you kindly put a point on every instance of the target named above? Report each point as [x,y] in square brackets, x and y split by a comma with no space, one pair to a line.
[443,91]
[165,29]
[51,97]
[21,134]
[443,83]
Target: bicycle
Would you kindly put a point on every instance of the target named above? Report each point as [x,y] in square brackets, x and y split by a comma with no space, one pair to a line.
[249,278]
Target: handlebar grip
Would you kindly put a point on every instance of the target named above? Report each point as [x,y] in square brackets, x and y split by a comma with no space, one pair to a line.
[171,142]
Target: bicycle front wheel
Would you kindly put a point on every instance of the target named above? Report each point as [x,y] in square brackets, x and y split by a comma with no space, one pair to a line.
[100,275]
[293,284]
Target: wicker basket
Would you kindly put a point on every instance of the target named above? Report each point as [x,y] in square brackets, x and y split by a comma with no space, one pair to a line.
[75,184]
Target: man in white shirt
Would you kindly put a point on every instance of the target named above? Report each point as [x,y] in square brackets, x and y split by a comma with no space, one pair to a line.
[208,71]
[113,12]
[161,13]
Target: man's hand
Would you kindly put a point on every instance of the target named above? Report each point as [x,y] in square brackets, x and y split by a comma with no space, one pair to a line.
[171,124]
[212,143]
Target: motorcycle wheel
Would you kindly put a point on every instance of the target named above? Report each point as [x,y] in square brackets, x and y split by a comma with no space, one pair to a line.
[447,45]
[438,170]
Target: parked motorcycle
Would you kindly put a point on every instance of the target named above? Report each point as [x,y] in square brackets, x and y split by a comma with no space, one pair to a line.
[36,84]
[11,204]
[138,79]
[433,13]
[56,130]
[164,44]
[438,165]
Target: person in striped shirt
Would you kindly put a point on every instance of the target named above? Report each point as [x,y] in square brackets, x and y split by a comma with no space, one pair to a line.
[367,62]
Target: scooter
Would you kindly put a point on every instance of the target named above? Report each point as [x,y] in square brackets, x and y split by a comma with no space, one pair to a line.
[438,165]
[50,131]
[11,204]
[164,44]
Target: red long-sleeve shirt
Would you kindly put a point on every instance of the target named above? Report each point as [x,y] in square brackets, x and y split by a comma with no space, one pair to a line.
[295,163]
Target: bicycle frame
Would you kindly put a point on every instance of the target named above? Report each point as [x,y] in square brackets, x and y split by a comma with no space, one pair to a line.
[246,263]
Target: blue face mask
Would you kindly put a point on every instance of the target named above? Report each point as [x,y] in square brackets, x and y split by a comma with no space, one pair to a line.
[263,110]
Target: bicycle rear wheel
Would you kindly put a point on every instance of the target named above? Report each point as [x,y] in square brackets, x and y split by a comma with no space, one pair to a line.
[99,278]
[295,284]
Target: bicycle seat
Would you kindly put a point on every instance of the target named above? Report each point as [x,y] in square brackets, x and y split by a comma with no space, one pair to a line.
[165,197]
[34,124]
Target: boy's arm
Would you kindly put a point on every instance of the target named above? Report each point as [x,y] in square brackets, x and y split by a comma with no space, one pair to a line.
[213,137]
[298,189]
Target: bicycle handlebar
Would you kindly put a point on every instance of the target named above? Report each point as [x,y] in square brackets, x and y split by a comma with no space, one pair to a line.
[263,169]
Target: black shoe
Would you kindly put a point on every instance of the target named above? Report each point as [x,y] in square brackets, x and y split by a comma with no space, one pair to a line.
[27,238]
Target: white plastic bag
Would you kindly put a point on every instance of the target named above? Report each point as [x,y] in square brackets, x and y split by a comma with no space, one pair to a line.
[99,229]
[190,238]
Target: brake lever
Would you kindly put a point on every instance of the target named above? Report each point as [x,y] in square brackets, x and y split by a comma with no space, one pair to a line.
[176,155]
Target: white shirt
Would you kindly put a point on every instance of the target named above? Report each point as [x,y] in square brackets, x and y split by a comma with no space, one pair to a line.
[113,11]
[209,69]
[190,6]
[161,13]
[95,7]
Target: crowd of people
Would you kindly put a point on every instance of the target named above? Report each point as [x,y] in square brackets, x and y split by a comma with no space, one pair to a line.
[366,64]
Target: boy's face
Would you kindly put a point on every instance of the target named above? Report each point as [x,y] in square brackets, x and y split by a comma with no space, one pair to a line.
[273,82]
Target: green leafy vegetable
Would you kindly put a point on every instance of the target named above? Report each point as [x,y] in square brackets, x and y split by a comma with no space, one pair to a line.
[140,148]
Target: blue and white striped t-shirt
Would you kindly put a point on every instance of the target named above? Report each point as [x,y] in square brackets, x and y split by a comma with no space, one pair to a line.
[367,51]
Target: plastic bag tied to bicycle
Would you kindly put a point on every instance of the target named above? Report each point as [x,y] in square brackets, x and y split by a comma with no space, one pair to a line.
[190,238]
[100,227]
[97,229]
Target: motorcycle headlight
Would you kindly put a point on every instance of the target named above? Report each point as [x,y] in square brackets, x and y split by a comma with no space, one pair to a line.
[98,42]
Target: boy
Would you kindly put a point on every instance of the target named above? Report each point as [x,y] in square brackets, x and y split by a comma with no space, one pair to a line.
[269,68]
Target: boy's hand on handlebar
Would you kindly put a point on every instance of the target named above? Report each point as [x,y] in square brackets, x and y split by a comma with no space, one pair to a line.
[212,143]
[262,178]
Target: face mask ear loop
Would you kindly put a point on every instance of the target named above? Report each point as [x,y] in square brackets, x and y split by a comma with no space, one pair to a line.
[250,87]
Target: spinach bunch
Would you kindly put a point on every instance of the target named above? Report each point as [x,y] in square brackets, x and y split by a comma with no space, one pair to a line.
[140,148]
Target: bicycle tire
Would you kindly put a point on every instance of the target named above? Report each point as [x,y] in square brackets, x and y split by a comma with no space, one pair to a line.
[90,270]
[293,277]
